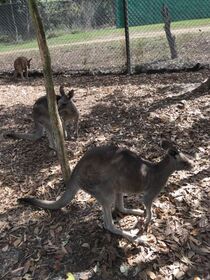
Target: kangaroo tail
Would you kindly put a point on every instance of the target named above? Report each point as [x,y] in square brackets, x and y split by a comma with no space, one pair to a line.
[10,135]
[37,134]
[15,135]
[66,197]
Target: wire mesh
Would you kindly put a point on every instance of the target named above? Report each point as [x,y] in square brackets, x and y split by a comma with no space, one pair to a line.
[191,31]
[89,35]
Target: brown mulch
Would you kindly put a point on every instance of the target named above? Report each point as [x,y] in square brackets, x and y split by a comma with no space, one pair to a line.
[132,112]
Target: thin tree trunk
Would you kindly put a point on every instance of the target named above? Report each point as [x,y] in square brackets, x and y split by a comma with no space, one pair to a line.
[167,28]
[14,22]
[51,98]
[28,22]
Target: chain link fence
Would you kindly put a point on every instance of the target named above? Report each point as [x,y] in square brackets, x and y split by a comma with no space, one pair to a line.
[107,36]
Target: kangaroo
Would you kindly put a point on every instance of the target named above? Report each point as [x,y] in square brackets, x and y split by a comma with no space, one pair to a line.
[108,172]
[67,111]
[21,64]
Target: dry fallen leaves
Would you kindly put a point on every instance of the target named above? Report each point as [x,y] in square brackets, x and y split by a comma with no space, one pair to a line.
[123,110]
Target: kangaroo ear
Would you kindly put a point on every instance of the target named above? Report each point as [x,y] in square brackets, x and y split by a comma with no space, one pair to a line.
[165,144]
[171,149]
[71,94]
[173,152]
[62,92]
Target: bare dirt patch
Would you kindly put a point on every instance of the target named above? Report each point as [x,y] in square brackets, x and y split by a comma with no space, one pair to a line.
[132,112]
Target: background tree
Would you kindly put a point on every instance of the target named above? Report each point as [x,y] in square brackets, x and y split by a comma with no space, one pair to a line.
[167,27]
[14,21]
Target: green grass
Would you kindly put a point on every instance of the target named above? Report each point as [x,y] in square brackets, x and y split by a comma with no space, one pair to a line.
[69,38]
[174,25]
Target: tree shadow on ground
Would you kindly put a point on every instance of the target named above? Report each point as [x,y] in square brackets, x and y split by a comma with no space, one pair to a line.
[84,239]
[126,123]
[168,101]
[18,118]
[64,242]
[124,120]
[109,80]
[24,159]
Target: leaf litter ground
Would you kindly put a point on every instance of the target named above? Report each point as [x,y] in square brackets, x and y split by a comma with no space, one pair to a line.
[132,112]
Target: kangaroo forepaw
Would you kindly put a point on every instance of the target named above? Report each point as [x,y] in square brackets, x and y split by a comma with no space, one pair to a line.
[140,241]
[138,224]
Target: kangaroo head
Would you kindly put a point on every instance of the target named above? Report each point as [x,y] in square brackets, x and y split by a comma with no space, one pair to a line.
[179,160]
[62,92]
[65,100]
[70,94]
[29,63]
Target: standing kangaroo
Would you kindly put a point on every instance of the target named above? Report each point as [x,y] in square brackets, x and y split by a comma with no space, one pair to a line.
[21,64]
[67,111]
[108,172]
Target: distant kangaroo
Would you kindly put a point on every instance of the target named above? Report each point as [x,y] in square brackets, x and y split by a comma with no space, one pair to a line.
[108,172]
[21,64]
[68,113]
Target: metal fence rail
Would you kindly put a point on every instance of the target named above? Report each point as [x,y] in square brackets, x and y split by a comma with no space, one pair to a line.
[97,35]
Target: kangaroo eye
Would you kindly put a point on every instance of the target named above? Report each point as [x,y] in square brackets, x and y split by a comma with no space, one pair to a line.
[173,152]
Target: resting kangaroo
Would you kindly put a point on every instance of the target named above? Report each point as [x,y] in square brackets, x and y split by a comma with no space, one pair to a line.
[68,113]
[21,64]
[108,172]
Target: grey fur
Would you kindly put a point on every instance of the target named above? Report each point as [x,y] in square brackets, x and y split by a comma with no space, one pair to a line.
[108,172]
[67,111]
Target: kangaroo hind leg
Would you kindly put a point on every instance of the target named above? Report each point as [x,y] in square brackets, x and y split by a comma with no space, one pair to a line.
[119,205]
[107,200]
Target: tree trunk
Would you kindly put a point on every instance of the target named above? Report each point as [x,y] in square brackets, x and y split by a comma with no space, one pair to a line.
[27,22]
[14,22]
[167,28]
[49,86]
